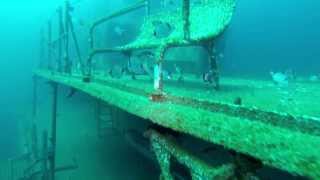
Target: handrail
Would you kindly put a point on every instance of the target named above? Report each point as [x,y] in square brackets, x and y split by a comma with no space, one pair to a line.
[186,19]
[138,5]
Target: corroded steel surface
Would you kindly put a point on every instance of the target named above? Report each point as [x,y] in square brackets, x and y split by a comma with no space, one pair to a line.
[290,149]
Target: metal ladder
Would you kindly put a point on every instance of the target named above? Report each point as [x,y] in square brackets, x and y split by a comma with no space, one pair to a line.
[105,116]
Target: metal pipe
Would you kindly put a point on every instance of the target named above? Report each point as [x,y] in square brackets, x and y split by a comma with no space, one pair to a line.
[34,96]
[97,116]
[52,158]
[42,48]
[186,18]
[213,64]
[49,44]
[34,145]
[66,51]
[158,69]
[11,169]
[61,32]
[45,156]
[76,43]
[148,7]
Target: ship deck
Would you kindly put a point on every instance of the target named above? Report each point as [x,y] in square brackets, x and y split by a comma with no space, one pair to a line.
[279,126]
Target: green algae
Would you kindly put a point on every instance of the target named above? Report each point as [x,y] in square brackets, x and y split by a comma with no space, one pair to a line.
[279,147]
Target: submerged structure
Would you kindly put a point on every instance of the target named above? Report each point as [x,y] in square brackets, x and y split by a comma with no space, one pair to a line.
[233,113]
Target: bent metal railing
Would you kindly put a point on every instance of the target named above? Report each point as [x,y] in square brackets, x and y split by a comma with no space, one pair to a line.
[197,26]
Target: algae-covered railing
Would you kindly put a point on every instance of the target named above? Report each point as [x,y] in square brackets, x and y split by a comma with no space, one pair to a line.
[198,25]
[60,61]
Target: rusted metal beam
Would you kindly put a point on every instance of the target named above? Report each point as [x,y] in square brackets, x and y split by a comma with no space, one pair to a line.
[165,148]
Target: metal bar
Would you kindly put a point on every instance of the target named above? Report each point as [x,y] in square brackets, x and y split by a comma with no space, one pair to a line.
[61,32]
[213,64]
[67,29]
[186,18]
[44,167]
[97,116]
[52,158]
[121,12]
[158,70]
[42,48]
[49,44]
[11,169]
[76,43]
[34,141]
[148,7]
[34,96]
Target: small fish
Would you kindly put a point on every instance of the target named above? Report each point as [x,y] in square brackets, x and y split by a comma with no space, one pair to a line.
[146,54]
[116,72]
[72,92]
[147,69]
[119,31]
[161,29]
[135,67]
[279,78]
[314,78]
[167,75]
[179,72]
[208,77]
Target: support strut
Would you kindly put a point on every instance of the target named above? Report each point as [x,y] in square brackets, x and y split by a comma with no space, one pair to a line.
[52,154]
[213,64]
[34,96]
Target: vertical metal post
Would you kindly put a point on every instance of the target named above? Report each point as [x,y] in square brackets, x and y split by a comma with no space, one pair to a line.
[158,80]
[45,156]
[60,39]
[158,70]
[34,141]
[213,64]
[148,7]
[52,158]
[66,55]
[11,169]
[76,43]
[34,96]
[49,45]
[97,116]
[186,18]
[42,48]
